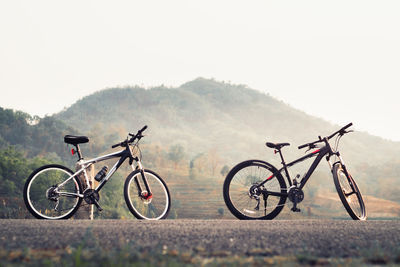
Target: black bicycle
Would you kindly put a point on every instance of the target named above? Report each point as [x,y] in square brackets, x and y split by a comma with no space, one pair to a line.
[255,189]
[56,192]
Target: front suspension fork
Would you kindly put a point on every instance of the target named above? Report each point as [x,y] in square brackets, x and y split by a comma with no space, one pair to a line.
[341,162]
[146,194]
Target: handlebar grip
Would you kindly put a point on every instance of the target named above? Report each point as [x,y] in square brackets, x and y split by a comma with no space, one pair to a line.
[116,145]
[303,146]
[144,128]
[347,126]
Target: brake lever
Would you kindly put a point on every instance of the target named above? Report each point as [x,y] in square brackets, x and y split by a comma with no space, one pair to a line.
[140,136]
[310,147]
[346,132]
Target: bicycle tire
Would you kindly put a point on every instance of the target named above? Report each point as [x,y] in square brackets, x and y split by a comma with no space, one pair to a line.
[347,188]
[248,170]
[41,204]
[155,208]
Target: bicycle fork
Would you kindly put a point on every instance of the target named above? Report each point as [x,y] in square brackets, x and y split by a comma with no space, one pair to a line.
[348,176]
[145,194]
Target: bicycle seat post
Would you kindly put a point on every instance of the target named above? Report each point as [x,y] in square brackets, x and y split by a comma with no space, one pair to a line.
[78,150]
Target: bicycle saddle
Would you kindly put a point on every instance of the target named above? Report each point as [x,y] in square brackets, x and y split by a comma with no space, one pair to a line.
[74,140]
[276,146]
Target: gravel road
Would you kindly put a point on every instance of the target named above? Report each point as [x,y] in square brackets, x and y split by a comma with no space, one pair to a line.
[322,238]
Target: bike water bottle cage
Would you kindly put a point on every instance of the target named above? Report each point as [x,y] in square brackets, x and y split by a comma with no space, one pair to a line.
[277,146]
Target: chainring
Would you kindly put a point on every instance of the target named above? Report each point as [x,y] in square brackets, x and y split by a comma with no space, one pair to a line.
[89,195]
[295,193]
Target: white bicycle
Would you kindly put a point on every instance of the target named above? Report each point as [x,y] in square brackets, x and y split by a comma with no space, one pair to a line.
[55,192]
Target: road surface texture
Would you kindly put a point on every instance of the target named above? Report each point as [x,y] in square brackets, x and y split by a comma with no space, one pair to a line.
[321,238]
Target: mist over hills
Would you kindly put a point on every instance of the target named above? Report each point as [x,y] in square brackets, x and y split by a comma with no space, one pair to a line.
[232,123]
[217,124]
[205,114]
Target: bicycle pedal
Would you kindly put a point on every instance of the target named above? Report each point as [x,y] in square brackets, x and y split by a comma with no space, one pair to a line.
[296,209]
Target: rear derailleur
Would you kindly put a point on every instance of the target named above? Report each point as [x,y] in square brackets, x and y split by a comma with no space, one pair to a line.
[255,193]
[53,195]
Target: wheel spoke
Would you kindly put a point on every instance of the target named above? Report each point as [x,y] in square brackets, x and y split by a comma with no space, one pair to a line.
[157,206]
[349,194]
[243,190]
[42,197]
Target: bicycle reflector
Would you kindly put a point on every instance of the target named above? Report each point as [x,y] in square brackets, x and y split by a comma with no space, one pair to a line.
[73,151]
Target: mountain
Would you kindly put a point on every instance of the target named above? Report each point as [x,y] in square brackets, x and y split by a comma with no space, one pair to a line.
[227,124]
[198,131]
[205,114]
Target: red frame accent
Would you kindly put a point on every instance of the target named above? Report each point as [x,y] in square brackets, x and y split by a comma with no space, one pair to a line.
[147,196]
[316,151]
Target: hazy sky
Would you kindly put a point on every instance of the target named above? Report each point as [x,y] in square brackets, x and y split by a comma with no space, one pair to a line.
[338,60]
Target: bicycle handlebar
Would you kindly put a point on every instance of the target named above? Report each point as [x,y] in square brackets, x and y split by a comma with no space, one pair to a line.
[303,146]
[341,131]
[139,132]
[138,135]
[116,145]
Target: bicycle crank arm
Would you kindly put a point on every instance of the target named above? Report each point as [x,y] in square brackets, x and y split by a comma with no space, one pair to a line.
[96,203]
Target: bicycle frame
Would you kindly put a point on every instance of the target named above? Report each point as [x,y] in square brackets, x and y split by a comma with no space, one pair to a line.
[123,155]
[320,153]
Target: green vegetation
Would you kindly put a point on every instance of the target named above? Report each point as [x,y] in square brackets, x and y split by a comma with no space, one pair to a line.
[34,136]
[217,124]
[14,170]
[196,133]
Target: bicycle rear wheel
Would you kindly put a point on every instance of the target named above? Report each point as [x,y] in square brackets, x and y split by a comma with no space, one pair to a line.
[45,199]
[244,201]
[142,206]
[349,193]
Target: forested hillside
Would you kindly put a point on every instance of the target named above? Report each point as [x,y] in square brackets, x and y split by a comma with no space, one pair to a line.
[33,136]
[26,143]
[202,115]
[196,133]
[218,124]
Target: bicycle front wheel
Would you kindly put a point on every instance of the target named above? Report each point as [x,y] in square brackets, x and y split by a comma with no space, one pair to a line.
[349,193]
[46,198]
[246,199]
[154,206]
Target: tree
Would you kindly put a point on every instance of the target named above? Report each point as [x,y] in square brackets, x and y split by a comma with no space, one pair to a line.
[214,160]
[176,154]
[15,168]
[221,211]
[224,171]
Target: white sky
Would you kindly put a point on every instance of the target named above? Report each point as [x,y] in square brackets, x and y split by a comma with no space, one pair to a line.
[338,60]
